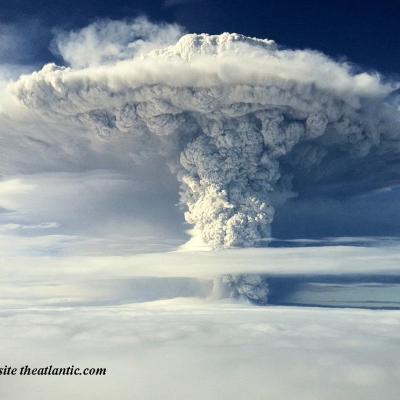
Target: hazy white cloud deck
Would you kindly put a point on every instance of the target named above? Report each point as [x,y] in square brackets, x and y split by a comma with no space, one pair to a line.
[195,349]
[108,311]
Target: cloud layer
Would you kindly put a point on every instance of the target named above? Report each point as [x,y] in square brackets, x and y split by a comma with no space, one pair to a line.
[198,350]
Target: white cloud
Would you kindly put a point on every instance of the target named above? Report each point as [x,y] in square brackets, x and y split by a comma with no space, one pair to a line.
[376,258]
[191,349]
[13,188]
[98,212]
[43,225]
[107,41]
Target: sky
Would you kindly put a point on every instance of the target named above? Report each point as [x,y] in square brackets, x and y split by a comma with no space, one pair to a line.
[134,154]
[367,32]
[345,45]
[44,145]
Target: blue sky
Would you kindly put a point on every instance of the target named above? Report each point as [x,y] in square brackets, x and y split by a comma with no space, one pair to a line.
[32,33]
[367,32]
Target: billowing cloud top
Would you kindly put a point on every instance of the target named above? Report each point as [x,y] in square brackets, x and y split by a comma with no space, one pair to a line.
[242,123]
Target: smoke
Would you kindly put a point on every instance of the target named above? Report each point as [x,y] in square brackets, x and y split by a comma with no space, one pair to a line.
[107,41]
[252,288]
[242,123]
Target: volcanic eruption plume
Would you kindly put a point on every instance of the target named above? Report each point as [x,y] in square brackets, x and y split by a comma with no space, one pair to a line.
[241,122]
